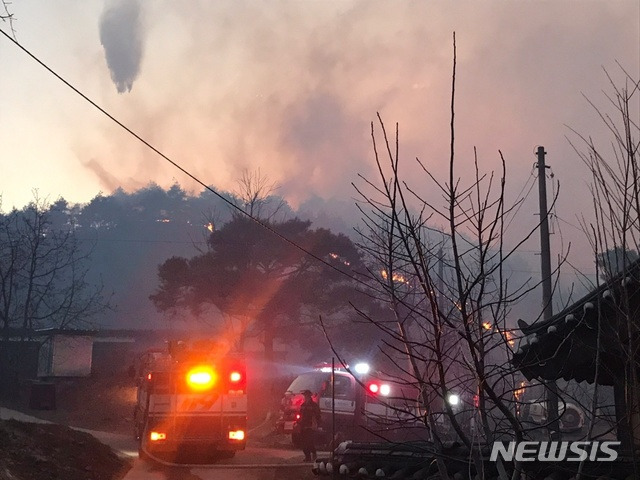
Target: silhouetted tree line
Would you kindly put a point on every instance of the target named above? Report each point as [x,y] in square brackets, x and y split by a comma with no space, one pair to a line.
[203,266]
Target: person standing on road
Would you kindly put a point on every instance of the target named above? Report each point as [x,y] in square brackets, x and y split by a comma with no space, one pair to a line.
[309,422]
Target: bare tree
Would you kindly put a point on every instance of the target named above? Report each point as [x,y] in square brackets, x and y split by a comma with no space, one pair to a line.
[615,179]
[7,16]
[449,292]
[256,195]
[43,273]
[614,233]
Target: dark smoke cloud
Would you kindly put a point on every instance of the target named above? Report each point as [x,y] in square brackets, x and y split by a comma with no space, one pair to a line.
[122,37]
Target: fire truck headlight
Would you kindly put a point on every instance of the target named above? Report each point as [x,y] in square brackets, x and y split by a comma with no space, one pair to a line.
[453,399]
[236,435]
[201,378]
[155,436]
[361,368]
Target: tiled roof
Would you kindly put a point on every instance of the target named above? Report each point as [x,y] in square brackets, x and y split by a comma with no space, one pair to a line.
[416,461]
[565,346]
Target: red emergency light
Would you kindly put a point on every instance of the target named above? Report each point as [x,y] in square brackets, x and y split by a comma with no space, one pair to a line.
[236,382]
[379,388]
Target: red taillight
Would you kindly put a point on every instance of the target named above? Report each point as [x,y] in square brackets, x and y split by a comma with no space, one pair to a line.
[149,376]
[236,380]
[379,389]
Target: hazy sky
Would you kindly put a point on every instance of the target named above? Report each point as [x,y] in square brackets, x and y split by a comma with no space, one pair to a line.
[292,86]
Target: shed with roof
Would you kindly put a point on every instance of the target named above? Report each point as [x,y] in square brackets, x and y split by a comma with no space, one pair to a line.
[596,339]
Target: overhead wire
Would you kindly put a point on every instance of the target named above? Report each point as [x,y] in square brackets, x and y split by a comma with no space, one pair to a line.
[143,240]
[554,192]
[521,199]
[570,224]
[179,167]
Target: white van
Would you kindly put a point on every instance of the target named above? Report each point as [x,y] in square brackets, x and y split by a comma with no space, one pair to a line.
[362,408]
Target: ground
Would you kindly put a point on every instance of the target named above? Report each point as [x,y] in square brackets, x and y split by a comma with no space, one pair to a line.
[33,451]
[54,452]
[95,403]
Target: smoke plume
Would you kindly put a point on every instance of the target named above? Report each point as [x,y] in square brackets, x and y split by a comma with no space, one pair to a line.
[121,36]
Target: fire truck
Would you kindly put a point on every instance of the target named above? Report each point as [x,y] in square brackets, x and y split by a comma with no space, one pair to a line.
[361,406]
[191,398]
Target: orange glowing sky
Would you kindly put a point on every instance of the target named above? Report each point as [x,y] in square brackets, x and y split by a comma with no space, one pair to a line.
[292,86]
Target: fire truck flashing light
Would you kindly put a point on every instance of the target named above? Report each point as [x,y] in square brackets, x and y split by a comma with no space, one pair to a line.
[201,378]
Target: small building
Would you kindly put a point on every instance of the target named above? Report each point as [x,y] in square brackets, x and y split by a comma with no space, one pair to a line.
[80,353]
[66,354]
[596,339]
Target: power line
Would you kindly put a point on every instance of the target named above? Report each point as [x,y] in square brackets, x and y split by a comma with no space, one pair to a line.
[570,224]
[521,199]
[141,240]
[176,165]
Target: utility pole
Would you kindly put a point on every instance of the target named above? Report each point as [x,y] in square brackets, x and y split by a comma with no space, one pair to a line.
[440,291]
[547,303]
[333,416]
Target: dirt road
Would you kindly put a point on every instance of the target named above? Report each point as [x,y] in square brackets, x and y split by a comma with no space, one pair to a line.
[254,463]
